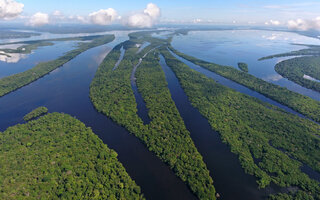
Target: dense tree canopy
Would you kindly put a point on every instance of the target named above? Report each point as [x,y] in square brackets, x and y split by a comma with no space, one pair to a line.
[243,67]
[35,113]
[296,70]
[271,144]
[58,157]
[166,134]
[300,103]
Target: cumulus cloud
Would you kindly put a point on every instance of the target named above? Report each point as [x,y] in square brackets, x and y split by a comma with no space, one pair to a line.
[103,17]
[10,9]
[304,25]
[273,22]
[153,11]
[57,14]
[77,18]
[39,19]
[145,19]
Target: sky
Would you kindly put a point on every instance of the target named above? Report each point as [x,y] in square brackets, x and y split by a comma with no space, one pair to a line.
[292,13]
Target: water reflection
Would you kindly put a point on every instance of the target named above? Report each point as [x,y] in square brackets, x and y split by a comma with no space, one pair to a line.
[21,62]
[229,47]
[11,57]
[66,90]
[310,78]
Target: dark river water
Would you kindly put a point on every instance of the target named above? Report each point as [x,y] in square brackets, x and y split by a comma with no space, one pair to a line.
[67,90]
[22,62]
[233,85]
[229,178]
[141,106]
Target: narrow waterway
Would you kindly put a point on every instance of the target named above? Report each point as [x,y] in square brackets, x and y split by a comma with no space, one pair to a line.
[233,85]
[66,90]
[229,178]
[122,52]
[141,105]
[228,47]
[143,46]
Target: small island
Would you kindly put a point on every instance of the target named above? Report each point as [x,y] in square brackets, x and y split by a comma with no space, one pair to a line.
[35,113]
[243,67]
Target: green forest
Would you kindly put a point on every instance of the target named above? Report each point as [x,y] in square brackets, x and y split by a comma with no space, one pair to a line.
[16,81]
[311,50]
[243,67]
[9,34]
[300,103]
[296,68]
[270,143]
[55,156]
[35,113]
[166,135]
[29,46]
[58,157]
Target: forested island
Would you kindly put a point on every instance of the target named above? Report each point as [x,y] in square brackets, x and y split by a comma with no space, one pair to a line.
[166,134]
[243,67]
[304,69]
[58,157]
[7,34]
[271,144]
[16,81]
[28,46]
[35,113]
[300,103]
[312,50]
[297,69]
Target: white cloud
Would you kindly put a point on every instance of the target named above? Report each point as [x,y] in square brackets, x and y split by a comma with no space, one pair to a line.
[10,9]
[39,19]
[275,77]
[57,14]
[304,25]
[145,19]
[273,36]
[153,11]
[77,18]
[273,22]
[196,21]
[103,17]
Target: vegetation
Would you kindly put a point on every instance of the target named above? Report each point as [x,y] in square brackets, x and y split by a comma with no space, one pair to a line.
[29,46]
[296,69]
[6,34]
[58,157]
[312,50]
[166,134]
[35,113]
[271,144]
[16,81]
[243,67]
[300,103]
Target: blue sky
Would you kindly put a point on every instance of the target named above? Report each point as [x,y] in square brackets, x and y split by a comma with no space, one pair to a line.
[216,10]
[188,11]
